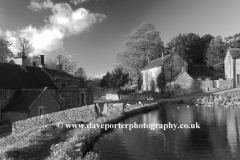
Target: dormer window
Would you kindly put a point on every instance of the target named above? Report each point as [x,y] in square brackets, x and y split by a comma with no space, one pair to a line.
[64,85]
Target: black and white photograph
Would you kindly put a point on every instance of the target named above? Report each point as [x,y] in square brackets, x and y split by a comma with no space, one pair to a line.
[119,80]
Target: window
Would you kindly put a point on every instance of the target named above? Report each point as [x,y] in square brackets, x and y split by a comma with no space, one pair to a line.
[169,63]
[41,110]
[64,85]
[178,86]
[3,94]
[62,96]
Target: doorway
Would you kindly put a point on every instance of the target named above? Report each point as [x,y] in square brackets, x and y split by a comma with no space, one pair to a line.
[82,99]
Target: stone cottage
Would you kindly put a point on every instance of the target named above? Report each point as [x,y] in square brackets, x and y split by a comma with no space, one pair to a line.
[28,91]
[232,66]
[181,84]
[170,66]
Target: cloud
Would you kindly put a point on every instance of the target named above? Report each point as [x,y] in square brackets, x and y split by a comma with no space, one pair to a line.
[63,22]
[76,2]
[36,6]
[99,76]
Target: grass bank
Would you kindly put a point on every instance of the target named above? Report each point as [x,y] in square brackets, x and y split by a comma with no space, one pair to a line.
[82,140]
[51,143]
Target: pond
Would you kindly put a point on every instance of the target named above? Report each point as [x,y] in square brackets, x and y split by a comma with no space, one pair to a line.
[217,138]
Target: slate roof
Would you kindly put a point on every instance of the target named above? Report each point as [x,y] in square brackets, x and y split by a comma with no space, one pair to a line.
[199,71]
[235,53]
[155,63]
[58,74]
[17,77]
[22,100]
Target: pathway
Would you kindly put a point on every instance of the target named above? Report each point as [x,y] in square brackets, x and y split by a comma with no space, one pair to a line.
[186,97]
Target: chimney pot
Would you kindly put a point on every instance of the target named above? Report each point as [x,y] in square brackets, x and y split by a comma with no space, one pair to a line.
[42,60]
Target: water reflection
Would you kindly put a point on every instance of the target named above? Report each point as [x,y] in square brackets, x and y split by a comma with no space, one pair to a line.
[217,138]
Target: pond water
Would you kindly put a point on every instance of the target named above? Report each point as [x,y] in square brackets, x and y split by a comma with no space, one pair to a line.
[217,138]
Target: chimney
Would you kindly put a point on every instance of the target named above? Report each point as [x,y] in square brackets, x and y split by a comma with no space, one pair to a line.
[59,64]
[42,60]
[59,67]
[21,59]
[34,64]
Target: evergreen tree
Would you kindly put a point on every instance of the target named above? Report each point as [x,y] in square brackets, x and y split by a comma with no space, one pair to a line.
[118,78]
[105,80]
[216,53]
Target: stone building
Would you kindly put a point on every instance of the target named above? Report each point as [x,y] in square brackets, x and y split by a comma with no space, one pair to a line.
[181,78]
[28,91]
[181,84]
[169,65]
[232,66]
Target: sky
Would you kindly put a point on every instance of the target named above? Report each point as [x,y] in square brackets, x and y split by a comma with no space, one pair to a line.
[92,32]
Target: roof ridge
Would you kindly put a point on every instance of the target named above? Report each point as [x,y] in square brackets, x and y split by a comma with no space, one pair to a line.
[175,77]
[40,94]
[159,58]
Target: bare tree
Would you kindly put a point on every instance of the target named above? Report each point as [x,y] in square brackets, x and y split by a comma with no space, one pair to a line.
[61,62]
[24,45]
[5,52]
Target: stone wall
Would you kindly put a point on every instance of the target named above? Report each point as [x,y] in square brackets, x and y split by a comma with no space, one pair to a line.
[186,86]
[138,96]
[85,113]
[114,108]
[112,96]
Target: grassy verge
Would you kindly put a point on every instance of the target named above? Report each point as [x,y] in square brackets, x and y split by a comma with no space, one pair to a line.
[78,146]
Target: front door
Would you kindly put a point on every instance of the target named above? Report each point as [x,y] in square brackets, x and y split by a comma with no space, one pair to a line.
[238,79]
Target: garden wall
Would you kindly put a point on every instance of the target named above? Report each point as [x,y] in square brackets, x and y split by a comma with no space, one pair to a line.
[112,96]
[208,85]
[85,113]
[138,96]
[114,108]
